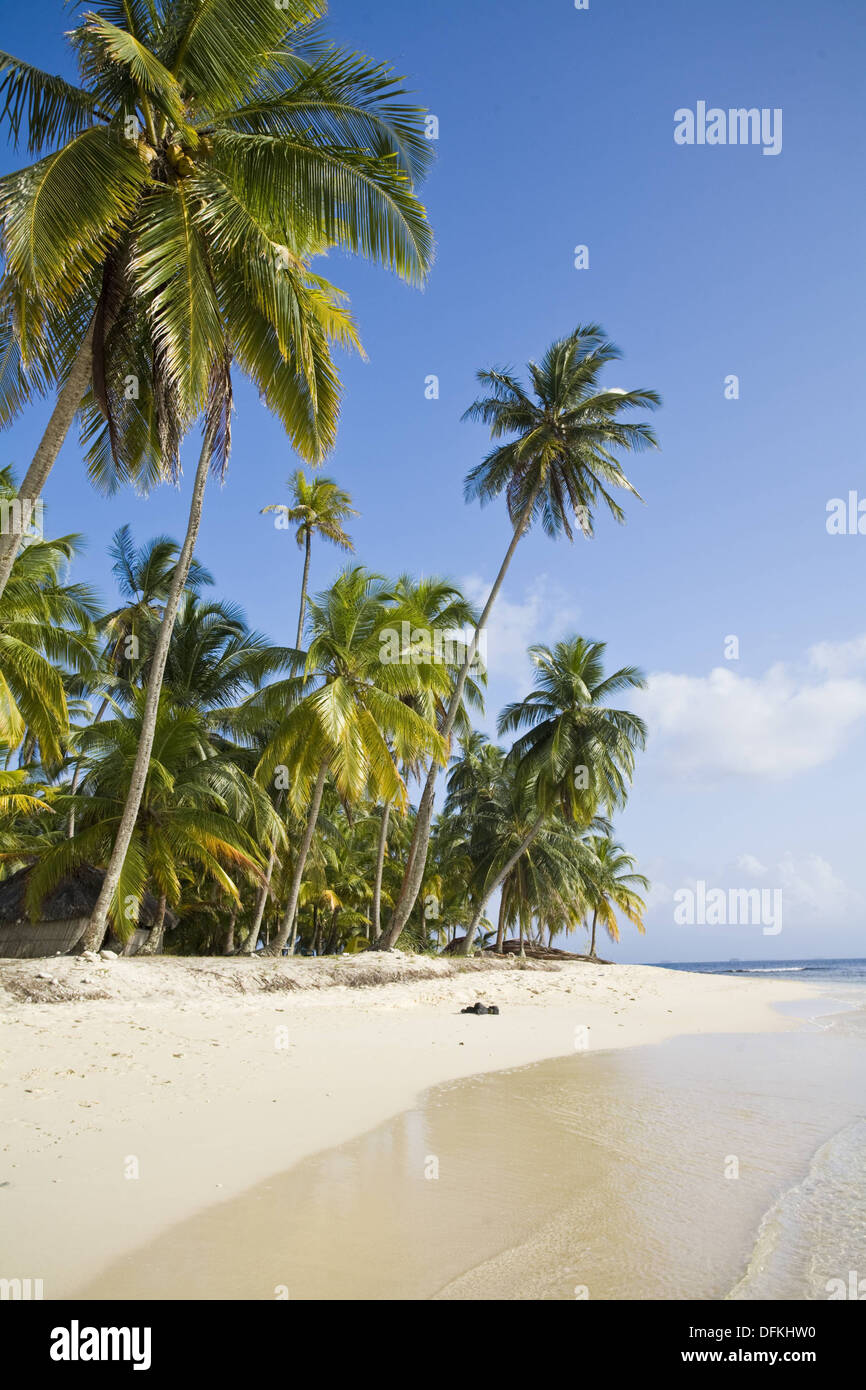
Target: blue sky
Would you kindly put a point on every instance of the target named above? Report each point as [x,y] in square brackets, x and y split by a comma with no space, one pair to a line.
[556,129]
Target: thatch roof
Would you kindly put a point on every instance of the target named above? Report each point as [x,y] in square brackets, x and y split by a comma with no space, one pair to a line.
[531,951]
[73,898]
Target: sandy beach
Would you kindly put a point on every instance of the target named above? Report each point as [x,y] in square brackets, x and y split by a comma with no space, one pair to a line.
[140,1093]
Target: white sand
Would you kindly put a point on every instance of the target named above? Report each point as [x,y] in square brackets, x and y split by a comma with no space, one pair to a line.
[211,1075]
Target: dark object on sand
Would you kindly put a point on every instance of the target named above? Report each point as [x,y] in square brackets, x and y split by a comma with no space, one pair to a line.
[481,1009]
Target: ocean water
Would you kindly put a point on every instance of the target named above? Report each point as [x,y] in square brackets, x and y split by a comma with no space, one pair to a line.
[818,971]
[713,1168]
[811,1243]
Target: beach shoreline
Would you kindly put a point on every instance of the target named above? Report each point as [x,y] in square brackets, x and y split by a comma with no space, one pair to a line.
[222,1073]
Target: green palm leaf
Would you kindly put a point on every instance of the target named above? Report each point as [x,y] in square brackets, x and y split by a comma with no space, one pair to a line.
[50,251]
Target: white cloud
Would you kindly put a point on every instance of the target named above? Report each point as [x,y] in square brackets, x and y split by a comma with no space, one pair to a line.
[658,895]
[791,719]
[813,890]
[813,894]
[750,865]
[839,658]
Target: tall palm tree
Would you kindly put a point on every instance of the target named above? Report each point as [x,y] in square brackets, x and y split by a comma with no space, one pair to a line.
[557,467]
[256,151]
[207,151]
[430,613]
[318,508]
[498,806]
[577,754]
[614,888]
[143,575]
[353,720]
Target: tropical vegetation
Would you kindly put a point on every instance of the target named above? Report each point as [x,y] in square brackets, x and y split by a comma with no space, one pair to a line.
[276,795]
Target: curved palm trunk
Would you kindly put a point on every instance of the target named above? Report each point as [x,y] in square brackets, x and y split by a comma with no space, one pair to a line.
[466,944]
[288,923]
[307,550]
[153,944]
[417,860]
[69,398]
[99,918]
[249,946]
[380,869]
[500,925]
[592,943]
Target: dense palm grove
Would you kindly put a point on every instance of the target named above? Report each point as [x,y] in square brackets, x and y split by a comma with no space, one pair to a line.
[264,793]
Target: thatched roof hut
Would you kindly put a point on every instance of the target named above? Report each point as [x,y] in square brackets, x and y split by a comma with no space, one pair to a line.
[531,951]
[63,916]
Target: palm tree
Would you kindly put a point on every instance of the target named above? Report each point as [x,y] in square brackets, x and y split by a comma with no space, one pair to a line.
[351,716]
[614,888]
[46,628]
[143,575]
[215,659]
[207,152]
[252,165]
[496,803]
[577,754]
[431,615]
[318,508]
[558,466]
[194,802]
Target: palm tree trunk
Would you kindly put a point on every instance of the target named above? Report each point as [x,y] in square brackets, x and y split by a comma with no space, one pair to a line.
[282,936]
[500,925]
[317,930]
[417,861]
[69,398]
[592,944]
[307,549]
[153,944]
[99,918]
[294,936]
[333,934]
[249,946]
[76,776]
[380,868]
[466,944]
[229,943]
